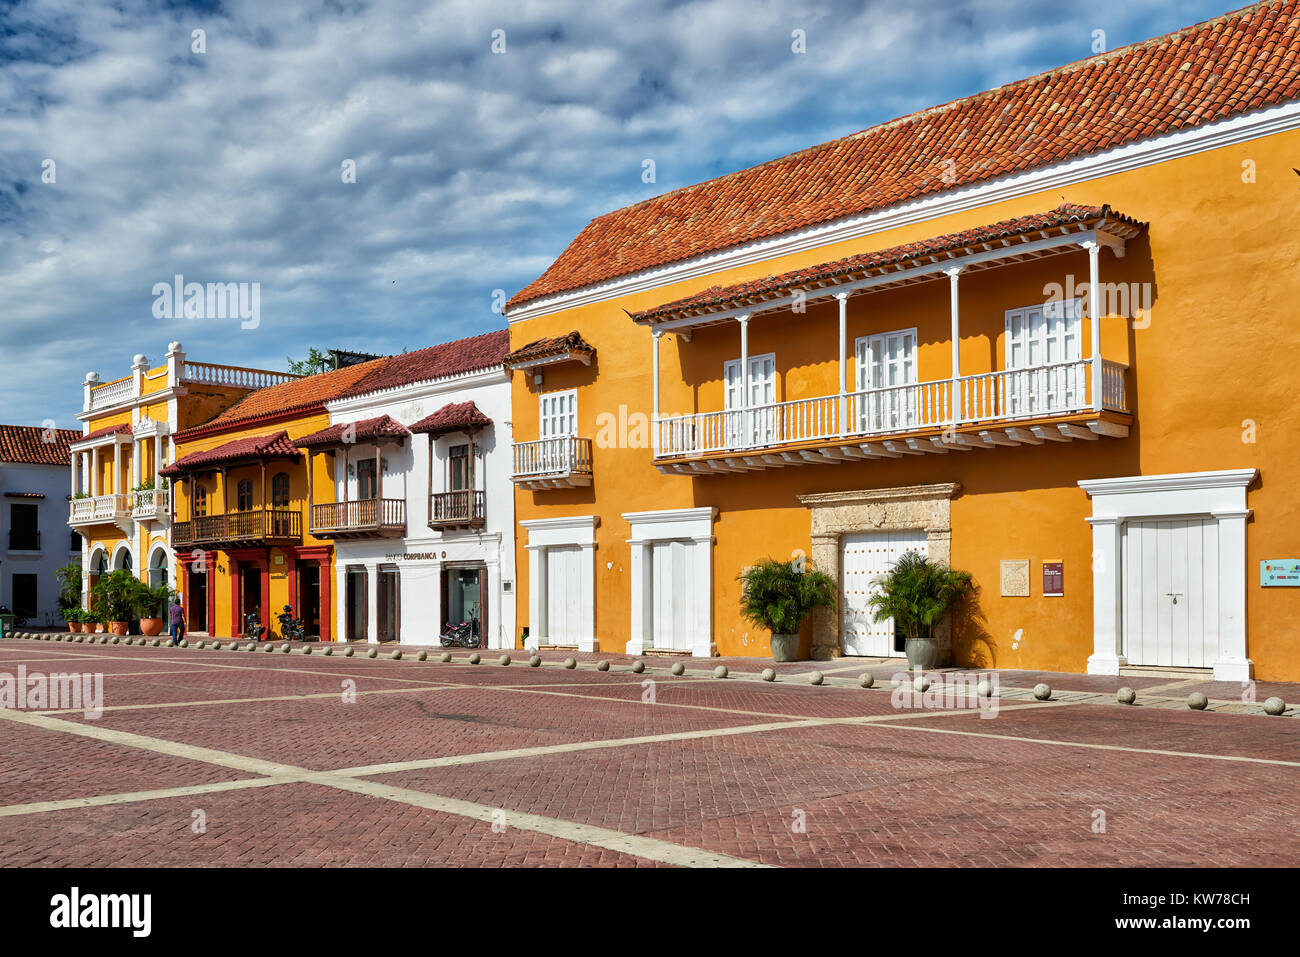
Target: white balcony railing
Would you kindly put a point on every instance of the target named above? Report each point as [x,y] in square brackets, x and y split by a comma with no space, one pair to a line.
[149,503]
[1008,395]
[564,455]
[112,393]
[211,374]
[98,508]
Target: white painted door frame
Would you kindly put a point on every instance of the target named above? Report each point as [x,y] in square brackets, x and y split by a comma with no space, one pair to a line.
[545,533]
[1217,495]
[692,524]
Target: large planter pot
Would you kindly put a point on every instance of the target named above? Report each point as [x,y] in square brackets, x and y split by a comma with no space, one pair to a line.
[72,626]
[921,653]
[151,627]
[785,647]
[96,627]
[119,627]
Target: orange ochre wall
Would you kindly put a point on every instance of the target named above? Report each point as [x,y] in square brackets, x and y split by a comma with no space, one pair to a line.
[279,581]
[1217,366]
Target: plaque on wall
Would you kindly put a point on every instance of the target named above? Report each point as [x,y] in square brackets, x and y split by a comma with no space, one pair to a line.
[1053,579]
[1015,578]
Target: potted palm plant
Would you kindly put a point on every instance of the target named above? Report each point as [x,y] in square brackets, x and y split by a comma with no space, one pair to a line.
[778,596]
[116,595]
[151,605]
[918,593]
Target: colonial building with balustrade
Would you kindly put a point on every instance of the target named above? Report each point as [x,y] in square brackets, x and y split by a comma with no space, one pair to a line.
[120,503]
[1037,333]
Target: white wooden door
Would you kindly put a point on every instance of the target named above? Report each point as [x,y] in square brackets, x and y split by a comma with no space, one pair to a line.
[759,422]
[1040,340]
[886,366]
[674,592]
[558,422]
[863,557]
[1171,592]
[563,591]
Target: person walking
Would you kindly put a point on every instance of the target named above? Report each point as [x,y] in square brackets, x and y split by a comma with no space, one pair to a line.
[177,618]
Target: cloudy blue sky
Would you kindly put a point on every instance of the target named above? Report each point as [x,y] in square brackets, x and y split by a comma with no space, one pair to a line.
[473,168]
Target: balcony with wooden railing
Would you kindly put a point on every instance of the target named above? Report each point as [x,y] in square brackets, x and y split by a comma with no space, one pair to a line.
[552,463]
[1009,407]
[254,528]
[365,518]
[464,508]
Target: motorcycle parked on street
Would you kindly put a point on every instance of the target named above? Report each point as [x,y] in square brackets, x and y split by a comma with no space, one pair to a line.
[463,635]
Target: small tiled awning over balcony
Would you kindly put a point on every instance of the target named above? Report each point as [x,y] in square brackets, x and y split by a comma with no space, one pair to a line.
[1013,240]
[544,352]
[453,417]
[239,452]
[122,428]
[382,428]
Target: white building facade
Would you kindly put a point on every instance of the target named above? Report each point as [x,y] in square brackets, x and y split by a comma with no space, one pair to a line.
[439,549]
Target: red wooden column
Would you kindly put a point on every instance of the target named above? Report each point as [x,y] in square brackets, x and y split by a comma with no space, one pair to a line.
[236,606]
[211,571]
[326,601]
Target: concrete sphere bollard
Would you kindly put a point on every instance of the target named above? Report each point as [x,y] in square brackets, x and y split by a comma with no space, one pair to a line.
[1274,706]
[475,658]
[867,680]
[372,653]
[216,646]
[285,648]
[503,661]
[921,683]
[602,666]
[535,661]
[1126,695]
[184,643]
[816,678]
[251,646]
[769,674]
[1197,701]
[201,645]
[329,651]
[397,654]
[445,657]
[306,649]
[984,689]
[679,669]
[116,640]
[720,671]
[1042,691]
[349,652]
[570,663]
[422,656]
[638,666]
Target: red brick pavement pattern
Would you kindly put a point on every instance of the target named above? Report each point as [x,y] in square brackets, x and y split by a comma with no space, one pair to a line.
[872,796]
[324,734]
[40,765]
[298,825]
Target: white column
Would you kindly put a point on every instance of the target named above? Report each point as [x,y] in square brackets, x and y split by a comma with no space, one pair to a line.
[74,463]
[91,380]
[372,604]
[1107,626]
[587,598]
[136,456]
[955,334]
[536,596]
[85,472]
[94,474]
[1094,319]
[843,298]
[654,417]
[702,645]
[744,379]
[1233,664]
[639,579]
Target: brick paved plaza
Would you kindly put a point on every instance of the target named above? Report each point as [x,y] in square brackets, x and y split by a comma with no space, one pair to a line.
[207,757]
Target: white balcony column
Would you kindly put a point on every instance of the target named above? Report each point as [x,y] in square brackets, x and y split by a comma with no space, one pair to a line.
[94,471]
[139,366]
[158,462]
[654,416]
[843,298]
[955,309]
[743,319]
[91,380]
[136,457]
[1094,318]
[175,364]
[74,462]
[85,473]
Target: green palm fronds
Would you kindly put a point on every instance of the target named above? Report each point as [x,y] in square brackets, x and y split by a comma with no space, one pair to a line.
[778,596]
[917,593]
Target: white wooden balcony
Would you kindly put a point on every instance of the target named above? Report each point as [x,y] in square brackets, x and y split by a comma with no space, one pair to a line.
[98,509]
[1008,407]
[559,462]
[149,504]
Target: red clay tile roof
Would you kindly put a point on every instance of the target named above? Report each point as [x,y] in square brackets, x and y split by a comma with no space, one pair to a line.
[1234,64]
[366,430]
[122,427]
[1067,214]
[296,396]
[276,445]
[436,362]
[27,444]
[453,417]
[572,345]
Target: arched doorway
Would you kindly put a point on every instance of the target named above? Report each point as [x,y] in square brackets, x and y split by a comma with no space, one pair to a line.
[158,564]
[122,559]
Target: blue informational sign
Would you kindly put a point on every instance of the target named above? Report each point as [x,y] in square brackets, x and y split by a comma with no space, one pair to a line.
[1280,573]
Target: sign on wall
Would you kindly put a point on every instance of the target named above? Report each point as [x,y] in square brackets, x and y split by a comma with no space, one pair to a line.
[1015,578]
[1053,579]
[1279,573]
